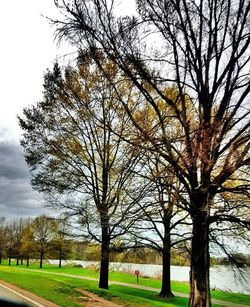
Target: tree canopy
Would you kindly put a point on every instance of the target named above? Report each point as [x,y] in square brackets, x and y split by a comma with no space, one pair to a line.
[202,50]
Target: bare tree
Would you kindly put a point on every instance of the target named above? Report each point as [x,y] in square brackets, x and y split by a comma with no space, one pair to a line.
[3,233]
[44,230]
[203,50]
[18,226]
[27,243]
[74,146]
[162,221]
[11,240]
[62,243]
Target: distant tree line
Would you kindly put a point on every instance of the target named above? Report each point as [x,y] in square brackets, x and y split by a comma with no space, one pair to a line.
[25,238]
[29,243]
[44,238]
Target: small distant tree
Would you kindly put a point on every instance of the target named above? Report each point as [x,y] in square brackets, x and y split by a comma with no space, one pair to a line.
[3,237]
[18,226]
[44,230]
[62,243]
[11,240]
[27,246]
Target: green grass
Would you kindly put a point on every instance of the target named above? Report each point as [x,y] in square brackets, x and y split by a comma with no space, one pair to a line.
[53,289]
[138,297]
[115,276]
[63,290]
[53,285]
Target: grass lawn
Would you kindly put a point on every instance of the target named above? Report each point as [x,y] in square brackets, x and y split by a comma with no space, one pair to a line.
[115,276]
[62,290]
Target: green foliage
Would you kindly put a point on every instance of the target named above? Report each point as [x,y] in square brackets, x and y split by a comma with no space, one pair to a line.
[139,255]
[181,259]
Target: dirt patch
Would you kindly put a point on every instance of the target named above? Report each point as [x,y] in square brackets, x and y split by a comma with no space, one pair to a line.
[88,299]
[29,295]
[93,300]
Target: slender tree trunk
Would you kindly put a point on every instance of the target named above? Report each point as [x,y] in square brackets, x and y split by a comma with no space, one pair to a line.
[104,270]
[9,260]
[41,258]
[1,258]
[22,260]
[166,257]
[199,275]
[166,279]
[28,261]
[60,258]
[17,261]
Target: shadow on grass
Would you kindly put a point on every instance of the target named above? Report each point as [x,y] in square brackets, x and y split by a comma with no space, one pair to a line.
[137,297]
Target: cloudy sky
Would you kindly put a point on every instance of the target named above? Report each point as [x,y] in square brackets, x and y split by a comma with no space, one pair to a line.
[27,50]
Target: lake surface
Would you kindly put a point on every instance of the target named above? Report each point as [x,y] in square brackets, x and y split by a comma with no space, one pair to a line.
[221,277]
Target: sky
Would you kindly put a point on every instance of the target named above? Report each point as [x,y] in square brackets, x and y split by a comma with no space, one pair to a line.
[27,49]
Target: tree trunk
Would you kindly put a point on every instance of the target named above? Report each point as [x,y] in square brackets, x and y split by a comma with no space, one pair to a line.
[166,257]
[28,261]
[17,261]
[1,258]
[166,280]
[22,260]
[41,258]
[199,275]
[104,270]
[60,258]
[9,260]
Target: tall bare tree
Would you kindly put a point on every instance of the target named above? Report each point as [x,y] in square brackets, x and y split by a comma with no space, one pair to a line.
[204,51]
[73,141]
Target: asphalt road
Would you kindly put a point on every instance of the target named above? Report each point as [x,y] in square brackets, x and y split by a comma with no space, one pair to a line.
[13,296]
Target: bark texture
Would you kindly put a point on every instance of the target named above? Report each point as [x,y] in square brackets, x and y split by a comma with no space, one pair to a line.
[41,258]
[104,269]
[166,257]
[200,263]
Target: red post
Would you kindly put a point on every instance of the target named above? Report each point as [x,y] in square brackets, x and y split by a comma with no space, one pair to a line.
[137,272]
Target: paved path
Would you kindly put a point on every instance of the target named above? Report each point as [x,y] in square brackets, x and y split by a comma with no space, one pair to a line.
[15,294]
[218,302]
[11,295]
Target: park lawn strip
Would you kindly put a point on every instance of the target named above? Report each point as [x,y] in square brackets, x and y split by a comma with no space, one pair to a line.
[143,281]
[48,287]
[130,278]
[237,298]
[182,287]
[63,290]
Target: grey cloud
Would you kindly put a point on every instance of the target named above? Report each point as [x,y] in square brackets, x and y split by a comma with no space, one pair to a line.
[17,198]
[12,164]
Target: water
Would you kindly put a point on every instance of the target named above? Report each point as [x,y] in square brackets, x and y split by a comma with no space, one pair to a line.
[221,277]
